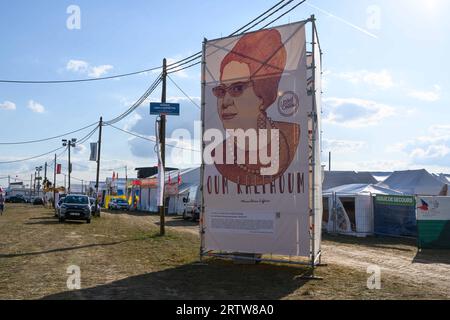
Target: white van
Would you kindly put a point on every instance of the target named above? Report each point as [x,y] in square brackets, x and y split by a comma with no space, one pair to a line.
[193,202]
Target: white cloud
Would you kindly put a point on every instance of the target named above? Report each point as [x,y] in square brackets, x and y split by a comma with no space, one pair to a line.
[382,79]
[432,149]
[99,71]
[355,113]
[375,165]
[77,66]
[7,105]
[36,107]
[80,149]
[83,67]
[428,96]
[342,146]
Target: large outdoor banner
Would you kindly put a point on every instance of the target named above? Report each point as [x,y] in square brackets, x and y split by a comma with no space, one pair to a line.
[257,144]
[433,222]
[395,215]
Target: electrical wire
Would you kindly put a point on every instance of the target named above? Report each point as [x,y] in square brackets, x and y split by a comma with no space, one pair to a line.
[136,105]
[271,14]
[172,65]
[185,94]
[282,15]
[181,69]
[47,139]
[82,140]
[79,80]
[150,139]
[32,158]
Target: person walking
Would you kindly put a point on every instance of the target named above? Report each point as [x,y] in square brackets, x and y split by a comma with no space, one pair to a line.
[2,204]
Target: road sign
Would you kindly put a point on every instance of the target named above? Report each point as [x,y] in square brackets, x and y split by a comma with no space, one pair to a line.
[169,109]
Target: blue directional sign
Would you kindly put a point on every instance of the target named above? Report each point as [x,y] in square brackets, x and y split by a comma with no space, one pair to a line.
[169,109]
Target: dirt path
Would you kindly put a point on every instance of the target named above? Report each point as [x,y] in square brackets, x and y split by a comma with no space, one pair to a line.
[394,257]
[121,256]
[431,269]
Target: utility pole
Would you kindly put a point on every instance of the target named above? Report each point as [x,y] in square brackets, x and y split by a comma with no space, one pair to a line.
[31,185]
[126,182]
[69,144]
[45,172]
[34,184]
[162,137]
[329,161]
[98,161]
[9,181]
[54,183]
[39,169]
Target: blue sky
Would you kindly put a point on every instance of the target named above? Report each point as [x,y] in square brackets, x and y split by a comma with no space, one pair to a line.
[385,62]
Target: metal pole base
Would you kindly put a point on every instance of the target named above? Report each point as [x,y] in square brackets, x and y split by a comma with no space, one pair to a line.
[310,277]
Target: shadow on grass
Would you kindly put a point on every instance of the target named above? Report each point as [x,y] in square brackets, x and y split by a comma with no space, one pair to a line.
[428,256]
[389,243]
[50,222]
[180,223]
[216,280]
[15,255]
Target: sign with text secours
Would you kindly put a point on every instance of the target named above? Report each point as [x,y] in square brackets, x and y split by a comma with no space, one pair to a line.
[169,109]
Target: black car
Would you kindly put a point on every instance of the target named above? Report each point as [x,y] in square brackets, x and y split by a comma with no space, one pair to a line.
[38,201]
[75,207]
[16,199]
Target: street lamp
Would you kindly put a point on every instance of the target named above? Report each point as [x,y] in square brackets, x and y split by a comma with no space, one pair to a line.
[68,144]
[38,178]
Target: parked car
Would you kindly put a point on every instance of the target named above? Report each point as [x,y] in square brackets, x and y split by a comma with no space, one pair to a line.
[95,210]
[38,201]
[16,199]
[192,204]
[118,204]
[75,207]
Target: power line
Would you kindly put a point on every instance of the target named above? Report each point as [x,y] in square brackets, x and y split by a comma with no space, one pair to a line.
[267,17]
[285,13]
[151,140]
[47,139]
[82,140]
[182,91]
[181,69]
[136,105]
[32,158]
[258,17]
[170,66]
[79,80]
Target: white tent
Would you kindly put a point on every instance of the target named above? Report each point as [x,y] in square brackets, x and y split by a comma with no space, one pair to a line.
[348,209]
[175,204]
[416,182]
[339,178]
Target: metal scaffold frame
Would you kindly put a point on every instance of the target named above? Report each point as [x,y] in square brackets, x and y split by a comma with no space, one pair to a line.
[315,259]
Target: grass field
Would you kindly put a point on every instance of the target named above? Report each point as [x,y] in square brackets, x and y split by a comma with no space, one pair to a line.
[121,256]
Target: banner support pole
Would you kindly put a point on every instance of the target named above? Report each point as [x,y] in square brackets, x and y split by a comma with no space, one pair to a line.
[202,169]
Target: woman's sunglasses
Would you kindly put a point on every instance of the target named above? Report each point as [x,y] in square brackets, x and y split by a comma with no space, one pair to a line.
[234,90]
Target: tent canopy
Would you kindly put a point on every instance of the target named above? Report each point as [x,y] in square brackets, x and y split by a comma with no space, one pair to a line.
[360,189]
[340,178]
[415,182]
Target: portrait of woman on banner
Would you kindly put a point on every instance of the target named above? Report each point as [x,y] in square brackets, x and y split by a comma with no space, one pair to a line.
[250,76]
